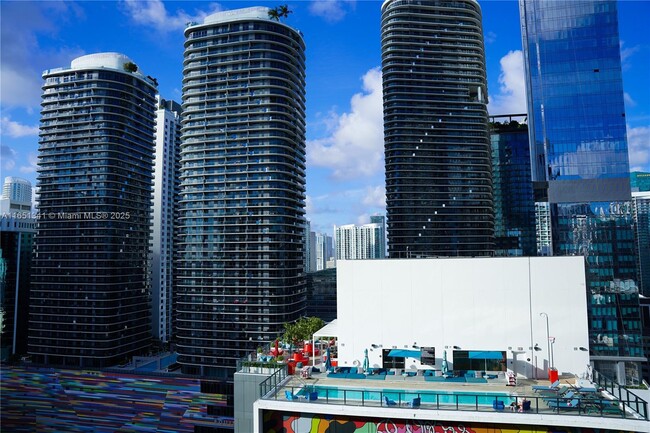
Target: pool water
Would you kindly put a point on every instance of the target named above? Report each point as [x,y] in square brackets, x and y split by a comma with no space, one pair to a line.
[432,397]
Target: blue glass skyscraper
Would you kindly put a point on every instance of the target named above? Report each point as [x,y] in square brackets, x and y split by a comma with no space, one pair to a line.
[580,166]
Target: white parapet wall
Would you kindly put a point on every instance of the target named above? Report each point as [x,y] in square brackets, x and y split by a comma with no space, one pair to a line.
[468,304]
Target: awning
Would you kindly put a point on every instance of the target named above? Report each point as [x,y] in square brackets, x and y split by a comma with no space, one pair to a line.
[403,353]
[485,355]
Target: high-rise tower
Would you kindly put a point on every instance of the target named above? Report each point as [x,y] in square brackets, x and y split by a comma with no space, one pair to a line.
[437,149]
[164,214]
[579,162]
[89,303]
[241,252]
[16,195]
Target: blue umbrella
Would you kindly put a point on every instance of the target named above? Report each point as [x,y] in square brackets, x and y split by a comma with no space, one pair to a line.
[328,361]
[366,361]
[445,367]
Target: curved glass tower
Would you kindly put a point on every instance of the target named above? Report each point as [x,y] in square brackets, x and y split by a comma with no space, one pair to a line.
[89,303]
[437,148]
[241,258]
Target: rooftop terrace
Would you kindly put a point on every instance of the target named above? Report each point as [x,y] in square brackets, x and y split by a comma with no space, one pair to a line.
[602,405]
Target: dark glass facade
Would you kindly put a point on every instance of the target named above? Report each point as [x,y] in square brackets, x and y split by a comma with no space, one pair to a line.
[16,242]
[437,150]
[321,294]
[514,205]
[240,274]
[89,304]
[579,153]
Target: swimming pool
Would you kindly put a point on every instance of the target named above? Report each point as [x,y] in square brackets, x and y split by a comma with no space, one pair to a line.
[403,396]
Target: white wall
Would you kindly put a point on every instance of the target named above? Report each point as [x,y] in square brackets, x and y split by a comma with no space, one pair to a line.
[472,303]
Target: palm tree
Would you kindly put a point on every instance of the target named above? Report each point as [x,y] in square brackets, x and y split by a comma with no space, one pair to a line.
[283,11]
[274,14]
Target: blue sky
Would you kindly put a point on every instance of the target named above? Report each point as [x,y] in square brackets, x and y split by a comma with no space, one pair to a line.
[345,179]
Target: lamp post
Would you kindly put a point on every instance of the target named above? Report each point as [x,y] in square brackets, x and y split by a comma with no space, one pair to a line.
[548,341]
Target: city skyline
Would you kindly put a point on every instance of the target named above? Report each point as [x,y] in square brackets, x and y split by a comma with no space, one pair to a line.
[345,174]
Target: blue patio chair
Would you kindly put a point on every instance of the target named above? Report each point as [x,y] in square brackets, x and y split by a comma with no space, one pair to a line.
[389,402]
[498,405]
[290,395]
[312,396]
[552,386]
[557,405]
[525,406]
[415,403]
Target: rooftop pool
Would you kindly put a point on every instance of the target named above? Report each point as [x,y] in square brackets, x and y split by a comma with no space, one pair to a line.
[404,396]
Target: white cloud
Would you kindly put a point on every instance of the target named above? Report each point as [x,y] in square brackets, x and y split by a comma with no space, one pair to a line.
[511,98]
[154,14]
[8,157]
[15,129]
[638,143]
[629,102]
[355,145]
[22,58]
[490,37]
[375,197]
[33,164]
[626,53]
[331,10]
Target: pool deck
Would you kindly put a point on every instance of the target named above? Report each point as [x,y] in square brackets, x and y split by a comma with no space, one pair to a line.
[411,385]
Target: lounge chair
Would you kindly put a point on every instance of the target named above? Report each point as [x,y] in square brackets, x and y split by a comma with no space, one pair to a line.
[290,395]
[415,403]
[554,393]
[552,386]
[312,396]
[559,397]
[390,402]
[557,405]
[498,405]
[525,406]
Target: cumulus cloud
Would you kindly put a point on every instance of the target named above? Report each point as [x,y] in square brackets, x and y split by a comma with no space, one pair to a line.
[8,157]
[22,58]
[14,129]
[375,196]
[511,98]
[154,14]
[331,10]
[33,164]
[638,143]
[355,145]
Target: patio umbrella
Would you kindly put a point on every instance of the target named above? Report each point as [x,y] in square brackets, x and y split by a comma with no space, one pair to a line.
[445,368]
[328,361]
[366,362]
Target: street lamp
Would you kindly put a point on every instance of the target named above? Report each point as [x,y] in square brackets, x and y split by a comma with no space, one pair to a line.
[548,341]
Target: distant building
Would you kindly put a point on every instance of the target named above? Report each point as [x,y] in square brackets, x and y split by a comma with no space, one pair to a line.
[16,195]
[165,213]
[544,238]
[310,249]
[641,203]
[321,294]
[90,294]
[436,142]
[16,242]
[514,204]
[579,154]
[360,242]
[381,220]
[640,181]
[324,251]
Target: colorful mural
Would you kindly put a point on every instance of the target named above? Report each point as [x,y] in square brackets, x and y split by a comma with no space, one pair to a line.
[296,422]
[49,400]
